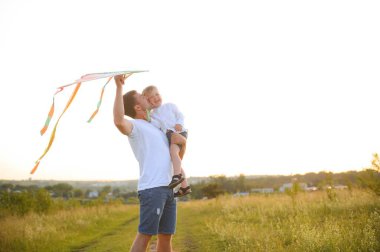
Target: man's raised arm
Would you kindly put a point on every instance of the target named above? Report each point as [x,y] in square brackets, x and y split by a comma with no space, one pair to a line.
[121,123]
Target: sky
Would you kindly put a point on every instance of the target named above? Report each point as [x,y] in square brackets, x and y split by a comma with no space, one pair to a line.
[266,87]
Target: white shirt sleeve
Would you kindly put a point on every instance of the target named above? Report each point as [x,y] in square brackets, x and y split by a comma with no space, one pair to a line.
[179,116]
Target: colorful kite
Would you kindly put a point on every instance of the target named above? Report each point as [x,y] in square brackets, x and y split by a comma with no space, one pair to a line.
[85,78]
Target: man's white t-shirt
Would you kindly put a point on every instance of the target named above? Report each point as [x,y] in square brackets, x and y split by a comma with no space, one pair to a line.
[151,149]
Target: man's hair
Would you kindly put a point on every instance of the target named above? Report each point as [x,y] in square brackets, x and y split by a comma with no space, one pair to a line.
[148,89]
[129,101]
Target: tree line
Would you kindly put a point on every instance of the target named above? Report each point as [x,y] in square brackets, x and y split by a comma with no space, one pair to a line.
[368,178]
[20,200]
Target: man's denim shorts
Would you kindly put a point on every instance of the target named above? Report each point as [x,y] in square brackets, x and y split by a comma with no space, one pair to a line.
[158,211]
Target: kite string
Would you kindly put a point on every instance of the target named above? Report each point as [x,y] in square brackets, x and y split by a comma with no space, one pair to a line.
[100,101]
[125,76]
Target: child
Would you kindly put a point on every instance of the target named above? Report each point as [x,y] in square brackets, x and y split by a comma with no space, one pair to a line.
[169,119]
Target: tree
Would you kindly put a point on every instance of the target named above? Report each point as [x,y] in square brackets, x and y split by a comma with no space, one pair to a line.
[294,190]
[116,192]
[62,190]
[371,176]
[78,193]
[43,201]
[240,183]
[6,187]
[105,190]
[212,190]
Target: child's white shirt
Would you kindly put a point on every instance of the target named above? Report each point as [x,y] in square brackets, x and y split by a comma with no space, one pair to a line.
[166,116]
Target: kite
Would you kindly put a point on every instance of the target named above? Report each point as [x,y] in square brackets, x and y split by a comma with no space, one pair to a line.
[78,83]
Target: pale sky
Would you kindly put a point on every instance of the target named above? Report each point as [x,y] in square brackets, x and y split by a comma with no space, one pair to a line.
[266,87]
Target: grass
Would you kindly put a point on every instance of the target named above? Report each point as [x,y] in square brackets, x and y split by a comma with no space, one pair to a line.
[349,221]
[192,233]
[70,230]
[312,222]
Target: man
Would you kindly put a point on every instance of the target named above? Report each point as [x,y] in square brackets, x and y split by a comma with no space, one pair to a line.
[151,149]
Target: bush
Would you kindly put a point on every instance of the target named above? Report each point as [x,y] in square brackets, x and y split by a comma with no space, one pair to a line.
[43,201]
[21,203]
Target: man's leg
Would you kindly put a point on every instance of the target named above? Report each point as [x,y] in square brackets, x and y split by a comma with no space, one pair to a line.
[140,243]
[167,223]
[164,243]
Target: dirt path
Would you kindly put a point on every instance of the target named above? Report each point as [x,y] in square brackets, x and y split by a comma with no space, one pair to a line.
[87,246]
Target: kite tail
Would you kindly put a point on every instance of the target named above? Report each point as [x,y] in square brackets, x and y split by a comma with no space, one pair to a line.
[48,119]
[56,124]
[35,167]
[51,113]
[100,101]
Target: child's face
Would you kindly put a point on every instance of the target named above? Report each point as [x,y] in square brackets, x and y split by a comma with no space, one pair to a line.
[154,98]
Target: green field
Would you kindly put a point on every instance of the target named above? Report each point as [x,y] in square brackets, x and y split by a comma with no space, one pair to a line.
[318,221]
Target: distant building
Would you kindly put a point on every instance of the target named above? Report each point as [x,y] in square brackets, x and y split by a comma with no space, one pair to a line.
[289,186]
[93,194]
[340,187]
[311,188]
[241,194]
[262,190]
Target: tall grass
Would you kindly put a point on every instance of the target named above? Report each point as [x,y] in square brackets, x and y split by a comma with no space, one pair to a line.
[312,222]
[61,230]
[318,221]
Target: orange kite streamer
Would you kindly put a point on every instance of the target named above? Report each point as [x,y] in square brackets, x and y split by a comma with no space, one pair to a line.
[87,77]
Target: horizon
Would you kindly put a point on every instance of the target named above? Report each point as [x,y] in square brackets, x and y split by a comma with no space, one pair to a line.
[191,177]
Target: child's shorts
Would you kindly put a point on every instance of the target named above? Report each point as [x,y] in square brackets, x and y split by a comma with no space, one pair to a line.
[169,136]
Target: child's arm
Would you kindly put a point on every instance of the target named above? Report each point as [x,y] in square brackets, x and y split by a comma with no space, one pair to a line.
[178,127]
[179,118]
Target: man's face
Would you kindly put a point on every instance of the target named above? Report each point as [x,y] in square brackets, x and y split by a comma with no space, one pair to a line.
[142,101]
[154,98]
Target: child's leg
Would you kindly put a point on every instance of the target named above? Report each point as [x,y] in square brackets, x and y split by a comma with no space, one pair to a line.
[177,153]
[184,183]
[176,139]
[181,140]
[185,189]
[182,150]
[177,163]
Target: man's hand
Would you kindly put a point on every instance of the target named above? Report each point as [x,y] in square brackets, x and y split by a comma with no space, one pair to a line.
[119,79]
[178,127]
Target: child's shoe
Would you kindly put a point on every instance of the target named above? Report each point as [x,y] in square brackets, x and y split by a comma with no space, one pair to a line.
[182,191]
[176,180]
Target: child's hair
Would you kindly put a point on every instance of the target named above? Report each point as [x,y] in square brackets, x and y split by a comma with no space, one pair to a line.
[148,89]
